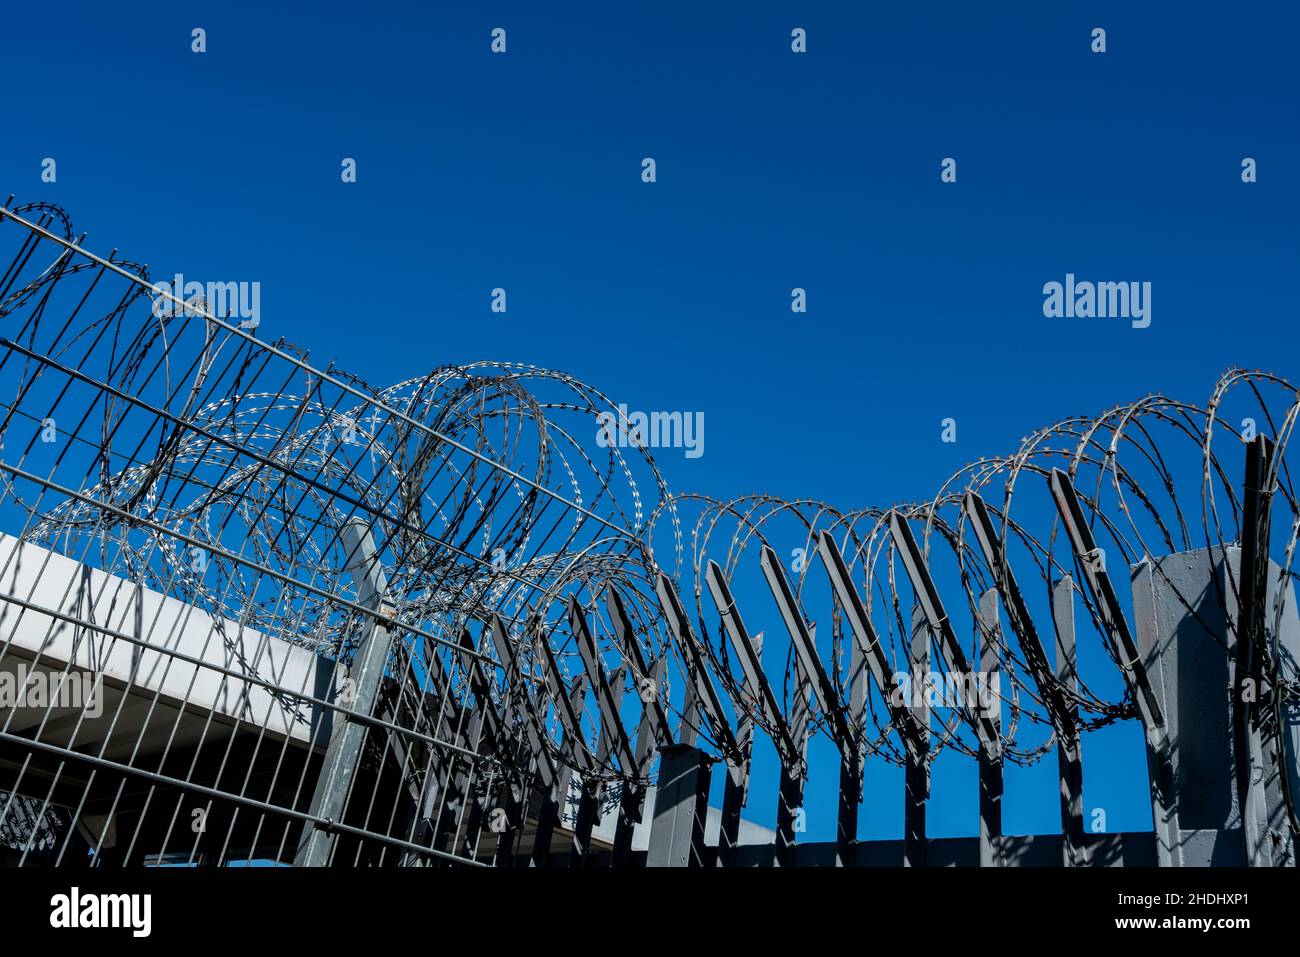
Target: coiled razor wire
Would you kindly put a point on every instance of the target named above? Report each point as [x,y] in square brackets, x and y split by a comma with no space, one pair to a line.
[500,490]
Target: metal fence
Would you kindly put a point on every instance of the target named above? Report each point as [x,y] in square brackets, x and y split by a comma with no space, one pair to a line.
[260,612]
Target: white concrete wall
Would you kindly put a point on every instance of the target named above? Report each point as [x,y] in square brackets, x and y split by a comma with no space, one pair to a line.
[52,581]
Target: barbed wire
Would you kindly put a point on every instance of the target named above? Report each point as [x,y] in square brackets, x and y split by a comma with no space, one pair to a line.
[221,470]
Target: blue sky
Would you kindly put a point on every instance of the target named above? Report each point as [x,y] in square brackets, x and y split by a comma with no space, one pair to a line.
[774,170]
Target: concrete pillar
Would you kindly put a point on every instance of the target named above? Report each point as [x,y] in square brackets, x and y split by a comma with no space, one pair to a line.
[1186,623]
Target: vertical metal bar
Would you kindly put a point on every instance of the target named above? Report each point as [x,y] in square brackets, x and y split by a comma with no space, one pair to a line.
[633,791]
[520,708]
[916,774]
[511,791]
[588,809]
[735,793]
[343,753]
[586,767]
[734,625]
[610,721]
[927,598]
[590,792]
[790,812]
[613,736]
[589,802]
[1061,712]
[548,816]
[805,647]
[851,770]
[1069,755]
[705,695]
[1164,808]
[803,637]
[556,798]
[1250,684]
[688,726]
[868,644]
[487,737]
[1062,708]
[990,760]
[653,733]
[632,800]
[520,704]
[654,711]
[446,779]
[652,729]
[790,740]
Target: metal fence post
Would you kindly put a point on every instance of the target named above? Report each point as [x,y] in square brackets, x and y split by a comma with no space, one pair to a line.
[343,754]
